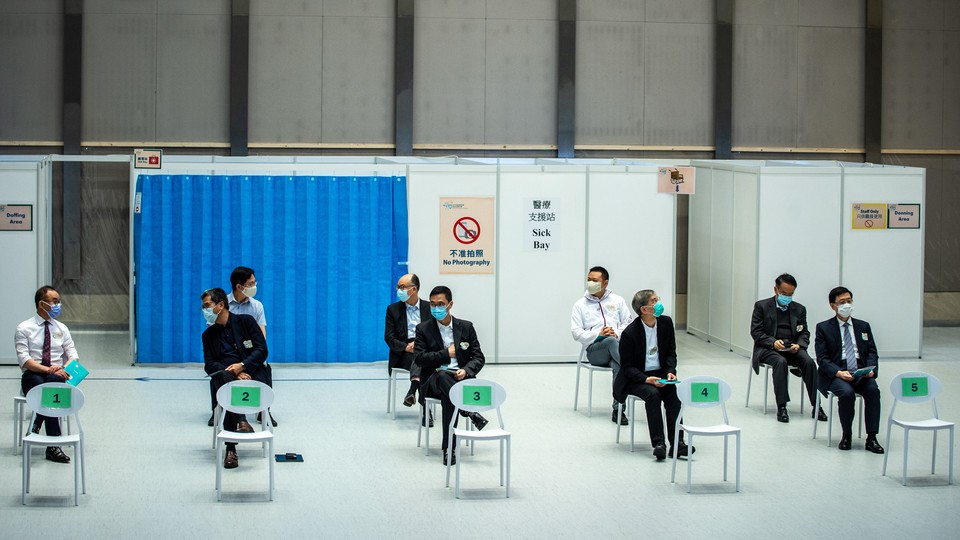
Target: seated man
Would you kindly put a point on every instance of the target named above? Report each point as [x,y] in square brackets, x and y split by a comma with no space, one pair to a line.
[780,339]
[596,322]
[400,329]
[233,349]
[648,354]
[447,351]
[841,351]
[44,348]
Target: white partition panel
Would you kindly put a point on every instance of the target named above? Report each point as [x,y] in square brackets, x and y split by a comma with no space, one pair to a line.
[632,232]
[746,215]
[26,254]
[698,256]
[537,288]
[721,256]
[800,215]
[474,295]
[884,268]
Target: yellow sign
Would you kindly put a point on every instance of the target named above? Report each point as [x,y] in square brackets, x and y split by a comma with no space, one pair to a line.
[466,235]
[869,216]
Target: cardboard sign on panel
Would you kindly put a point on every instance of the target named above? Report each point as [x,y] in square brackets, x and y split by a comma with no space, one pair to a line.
[467,235]
[869,216]
[903,216]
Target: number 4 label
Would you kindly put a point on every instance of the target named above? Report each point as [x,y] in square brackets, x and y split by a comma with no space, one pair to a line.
[704,392]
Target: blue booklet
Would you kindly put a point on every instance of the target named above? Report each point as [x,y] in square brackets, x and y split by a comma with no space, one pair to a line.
[77,372]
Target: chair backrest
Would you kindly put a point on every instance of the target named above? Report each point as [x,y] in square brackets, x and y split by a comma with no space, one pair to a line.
[703,392]
[915,387]
[55,399]
[245,397]
[477,395]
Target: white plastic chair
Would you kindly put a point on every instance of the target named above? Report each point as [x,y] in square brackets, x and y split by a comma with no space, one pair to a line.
[392,389]
[19,409]
[832,398]
[766,386]
[245,397]
[631,404]
[478,395]
[709,392]
[431,406]
[917,387]
[583,363]
[56,400]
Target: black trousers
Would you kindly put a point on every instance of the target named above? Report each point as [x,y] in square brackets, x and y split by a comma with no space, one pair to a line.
[653,399]
[28,381]
[438,386]
[781,361]
[846,398]
[230,419]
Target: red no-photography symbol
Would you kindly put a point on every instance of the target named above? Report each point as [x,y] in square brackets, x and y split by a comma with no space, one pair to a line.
[466,230]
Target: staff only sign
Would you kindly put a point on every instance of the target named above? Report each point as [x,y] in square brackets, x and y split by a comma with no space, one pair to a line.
[466,235]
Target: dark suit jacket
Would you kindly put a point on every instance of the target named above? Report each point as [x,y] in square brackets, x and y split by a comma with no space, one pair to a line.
[633,354]
[395,330]
[246,331]
[829,346]
[763,327]
[429,352]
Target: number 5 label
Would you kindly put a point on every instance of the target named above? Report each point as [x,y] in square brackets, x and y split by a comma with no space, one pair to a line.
[477,395]
[704,392]
[914,386]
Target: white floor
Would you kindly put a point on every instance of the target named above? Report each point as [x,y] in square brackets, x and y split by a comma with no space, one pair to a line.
[151,469]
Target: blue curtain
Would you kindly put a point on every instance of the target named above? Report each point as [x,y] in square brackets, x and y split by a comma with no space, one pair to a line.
[327,253]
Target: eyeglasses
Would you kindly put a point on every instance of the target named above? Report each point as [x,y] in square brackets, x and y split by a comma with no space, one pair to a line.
[405,287]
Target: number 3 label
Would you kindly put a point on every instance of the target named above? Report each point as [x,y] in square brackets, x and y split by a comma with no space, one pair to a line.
[477,395]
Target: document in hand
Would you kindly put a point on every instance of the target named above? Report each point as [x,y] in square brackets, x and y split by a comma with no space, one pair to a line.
[863,371]
[77,372]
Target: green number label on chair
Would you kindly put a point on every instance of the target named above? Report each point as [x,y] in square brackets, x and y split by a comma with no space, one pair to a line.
[245,396]
[56,398]
[914,386]
[704,392]
[477,395]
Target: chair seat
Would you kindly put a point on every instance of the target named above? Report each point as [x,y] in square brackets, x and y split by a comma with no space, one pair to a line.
[719,429]
[930,423]
[49,440]
[256,436]
[486,434]
[588,365]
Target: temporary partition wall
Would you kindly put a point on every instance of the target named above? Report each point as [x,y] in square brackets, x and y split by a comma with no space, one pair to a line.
[24,181]
[751,221]
[609,215]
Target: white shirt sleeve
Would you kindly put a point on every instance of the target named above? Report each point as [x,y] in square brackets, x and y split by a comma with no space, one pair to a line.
[625,317]
[577,329]
[69,349]
[22,344]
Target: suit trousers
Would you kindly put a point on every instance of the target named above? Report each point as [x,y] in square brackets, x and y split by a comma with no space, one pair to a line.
[438,386]
[846,399]
[230,419]
[605,353]
[31,379]
[780,361]
[653,398]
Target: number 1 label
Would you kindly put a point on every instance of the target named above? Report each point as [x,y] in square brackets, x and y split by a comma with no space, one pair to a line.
[56,398]
[704,392]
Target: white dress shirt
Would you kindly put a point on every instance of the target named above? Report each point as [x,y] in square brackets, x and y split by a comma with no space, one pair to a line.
[28,341]
[249,306]
[413,319]
[446,333]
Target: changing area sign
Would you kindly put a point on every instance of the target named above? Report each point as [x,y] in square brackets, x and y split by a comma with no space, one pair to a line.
[466,235]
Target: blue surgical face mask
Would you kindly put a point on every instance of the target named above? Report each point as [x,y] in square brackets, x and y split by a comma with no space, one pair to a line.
[209,315]
[658,309]
[403,295]
[784,300]
[54,310]
[439,312]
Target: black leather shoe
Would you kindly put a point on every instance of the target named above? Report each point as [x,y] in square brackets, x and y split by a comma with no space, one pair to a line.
[478,421]
[873,445]
[272,421]
[795,371]
[410,399]
[210,421]
[683,450]
[230,461]
[844,442]
[782,415]
[660,451]
[821,417]
[453,456]
[623,418]
[54,453]
[244,427]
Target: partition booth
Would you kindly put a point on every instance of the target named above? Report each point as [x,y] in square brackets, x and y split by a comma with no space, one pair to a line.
[826,223]
[329,237]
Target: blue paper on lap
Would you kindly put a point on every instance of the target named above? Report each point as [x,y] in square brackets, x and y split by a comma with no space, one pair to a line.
[77,372]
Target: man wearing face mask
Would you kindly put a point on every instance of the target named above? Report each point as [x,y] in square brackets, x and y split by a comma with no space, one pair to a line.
[447,351]
[400,329]
[44,347]
[233,349]
[648,352]
[845,345]
[596,322]
[780,339]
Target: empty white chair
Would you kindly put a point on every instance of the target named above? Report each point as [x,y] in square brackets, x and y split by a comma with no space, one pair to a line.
[19,410]
[56,400]
[704,392]
[245,397]
[832,398]
[583,363]
[766,386]
[392,389]
[917,387]
[478,395]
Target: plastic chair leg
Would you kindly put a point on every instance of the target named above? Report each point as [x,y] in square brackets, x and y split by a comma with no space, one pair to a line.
[576,390]
[590,394]
[950,466]
[738,462]
[887,446]
[749,381]
[906,435]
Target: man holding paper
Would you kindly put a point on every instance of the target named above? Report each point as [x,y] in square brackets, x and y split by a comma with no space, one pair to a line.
[44,349]
[447,351]
[847,355]
[648,356]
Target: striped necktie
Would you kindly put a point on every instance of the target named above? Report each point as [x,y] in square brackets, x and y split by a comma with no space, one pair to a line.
[848,350]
